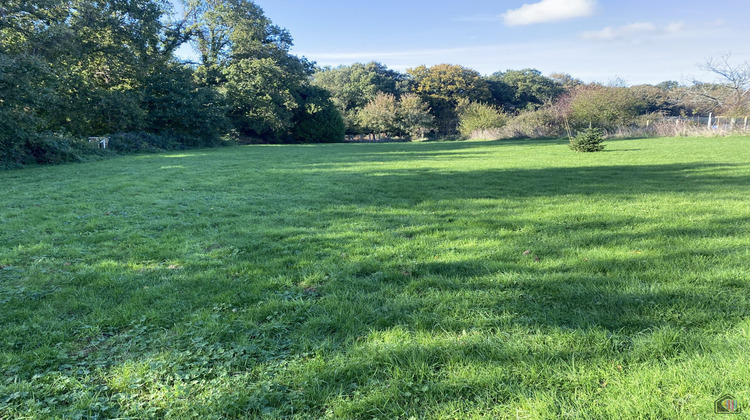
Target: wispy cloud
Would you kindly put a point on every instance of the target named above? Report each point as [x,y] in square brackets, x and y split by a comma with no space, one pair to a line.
[675,27]
[549,11]
[474,56]
[633,31]
[375,55]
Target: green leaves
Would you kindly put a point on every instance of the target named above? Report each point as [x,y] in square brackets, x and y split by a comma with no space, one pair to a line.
[91,67]
[246,58]
[522,89]
[476,117]
[443,86]
[260,94]
[387,115]
[588,140]
[353,87]
[605,106]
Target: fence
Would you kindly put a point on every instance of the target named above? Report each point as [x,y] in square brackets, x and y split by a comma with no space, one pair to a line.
[712,122]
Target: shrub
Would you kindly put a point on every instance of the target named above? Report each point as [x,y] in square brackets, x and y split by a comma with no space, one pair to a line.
[54,149]
[534,124]
[143,142]
[606,107]
[380,115]
[589,140]
[414,116]
[317,120]
[478,117]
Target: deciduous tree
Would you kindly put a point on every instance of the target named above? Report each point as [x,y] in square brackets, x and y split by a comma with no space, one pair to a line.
[443,85]
[352,87]
[380,115]
[414,116]
[731,95]
[247,58]
[522,89]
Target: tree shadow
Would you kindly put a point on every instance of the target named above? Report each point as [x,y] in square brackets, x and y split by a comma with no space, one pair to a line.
[365,300]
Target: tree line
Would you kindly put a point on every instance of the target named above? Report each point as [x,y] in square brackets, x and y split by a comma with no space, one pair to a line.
[71,69]
[520,103]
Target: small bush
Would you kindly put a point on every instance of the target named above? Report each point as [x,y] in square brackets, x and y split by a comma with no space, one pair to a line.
[589,140]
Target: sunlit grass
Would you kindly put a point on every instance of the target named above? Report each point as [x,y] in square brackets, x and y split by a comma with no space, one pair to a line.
[511,279]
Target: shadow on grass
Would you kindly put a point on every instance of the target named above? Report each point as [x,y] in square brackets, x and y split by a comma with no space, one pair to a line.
[413,186]
[364,299]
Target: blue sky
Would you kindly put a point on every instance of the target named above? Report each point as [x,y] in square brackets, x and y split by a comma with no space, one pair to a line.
[596,40]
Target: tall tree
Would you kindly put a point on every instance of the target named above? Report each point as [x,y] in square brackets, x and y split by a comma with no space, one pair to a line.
[380,115]
[443,85]
[521,89]
[414,118]
[352,87]
[731,95]
[247,58]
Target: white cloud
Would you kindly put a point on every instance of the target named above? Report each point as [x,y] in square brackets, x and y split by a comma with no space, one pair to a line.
[548,11]
[626,31]
[634,31]
[675,27]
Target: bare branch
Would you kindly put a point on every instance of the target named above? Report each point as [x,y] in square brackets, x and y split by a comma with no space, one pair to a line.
[732,92]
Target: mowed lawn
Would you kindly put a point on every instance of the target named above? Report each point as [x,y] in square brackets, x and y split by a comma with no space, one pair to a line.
[508,279]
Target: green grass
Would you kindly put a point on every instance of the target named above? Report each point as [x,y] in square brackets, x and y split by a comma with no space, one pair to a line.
[510,279]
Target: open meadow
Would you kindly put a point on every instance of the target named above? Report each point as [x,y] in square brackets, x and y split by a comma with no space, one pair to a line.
[505,279]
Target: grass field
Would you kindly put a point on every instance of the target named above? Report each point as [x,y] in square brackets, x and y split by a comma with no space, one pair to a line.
[510,279]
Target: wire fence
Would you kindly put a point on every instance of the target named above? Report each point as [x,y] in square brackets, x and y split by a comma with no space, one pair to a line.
[713,122]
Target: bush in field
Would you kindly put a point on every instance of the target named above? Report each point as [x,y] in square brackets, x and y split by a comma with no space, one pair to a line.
[380,116]
[476,117]
[588,140]
[408,116]
[605,106]
[414,118]
[317,120]
[53,149]
[543,122]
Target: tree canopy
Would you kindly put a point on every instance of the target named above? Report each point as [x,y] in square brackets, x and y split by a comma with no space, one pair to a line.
[76,68]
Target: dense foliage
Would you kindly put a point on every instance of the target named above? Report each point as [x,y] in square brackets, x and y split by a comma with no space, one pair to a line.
[476,116]
[78,68]
[386,115]
[353,87]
